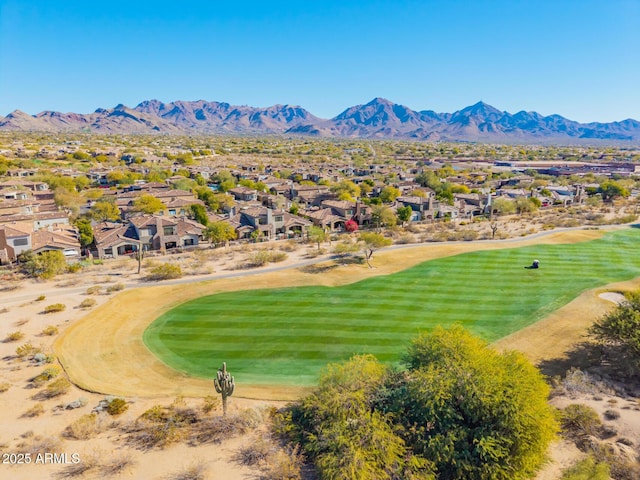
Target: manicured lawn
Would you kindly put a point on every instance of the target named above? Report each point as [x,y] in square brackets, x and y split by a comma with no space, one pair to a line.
[285,336]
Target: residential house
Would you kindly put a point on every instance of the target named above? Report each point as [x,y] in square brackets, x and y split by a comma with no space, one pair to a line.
[425,207]
[333,214]
[244,194]
[269,223]
[151,232]
[14,239]
[62,239]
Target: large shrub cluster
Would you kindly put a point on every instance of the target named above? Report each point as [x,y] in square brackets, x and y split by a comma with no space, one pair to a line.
[618,332]
[460,411]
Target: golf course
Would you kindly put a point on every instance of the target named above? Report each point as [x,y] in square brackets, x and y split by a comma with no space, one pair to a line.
[284,336]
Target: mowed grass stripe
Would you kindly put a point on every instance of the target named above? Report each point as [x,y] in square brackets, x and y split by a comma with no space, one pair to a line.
[286,335]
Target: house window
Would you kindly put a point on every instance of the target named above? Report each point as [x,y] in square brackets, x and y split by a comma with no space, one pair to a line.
[169,231]
[349,212]
[278,218]
[189,241]
[172,212]
[20,242]
[108,251]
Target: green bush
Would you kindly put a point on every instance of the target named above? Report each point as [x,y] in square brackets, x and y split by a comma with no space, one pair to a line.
[40,298]
[579,420]
[164,271]
[461,411]
[74,267]
[14,336]
[44,265]
[87,303]
[617,331]
[115,288]
[55,307]
[56,388]
[50,330]
[117,406]
[34,411]
[46,375]
[95,290]
[27,351]
[587,469]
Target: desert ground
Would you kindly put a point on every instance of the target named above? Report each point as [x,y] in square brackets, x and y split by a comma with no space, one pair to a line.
[100,350]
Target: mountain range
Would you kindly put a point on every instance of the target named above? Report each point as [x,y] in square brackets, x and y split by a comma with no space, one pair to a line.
[379,118]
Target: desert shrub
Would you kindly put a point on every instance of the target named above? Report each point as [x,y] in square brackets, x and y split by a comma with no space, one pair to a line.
[217,429]
[44,265]
[40,298]
[115,287]
[587,469]
[210,403]
[55,307]
[289,246]
[256,452]
[116,406]
[4,386]
[56,388]
[34,411]
[620,465]
[95,290]
[164,271]
[14,336]
[623,219]
[468,235]
[617,331]
[258,259]
[577,381]
[285,465]
[117,465]
[196,471]
[276,257]
[74,267]
[578,420]
[160,426]
[88,463]
[50,330]
[46,375]
[27,351]
[38,445]
[85,427]
[611,414]
[87,303]
[406,238]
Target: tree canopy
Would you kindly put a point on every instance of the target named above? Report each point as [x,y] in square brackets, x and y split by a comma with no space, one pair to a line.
[373,241]
[318,235]
[461,411]
[219,232]
[103,211]
[148,204]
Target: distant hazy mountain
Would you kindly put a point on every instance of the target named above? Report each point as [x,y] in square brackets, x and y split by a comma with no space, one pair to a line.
[379,118]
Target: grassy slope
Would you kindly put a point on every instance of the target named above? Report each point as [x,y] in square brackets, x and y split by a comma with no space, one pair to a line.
[284,336]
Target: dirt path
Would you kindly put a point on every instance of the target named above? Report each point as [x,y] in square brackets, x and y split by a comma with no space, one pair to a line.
[104,351]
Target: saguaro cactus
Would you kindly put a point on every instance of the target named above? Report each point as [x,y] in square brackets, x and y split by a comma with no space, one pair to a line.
[225,385]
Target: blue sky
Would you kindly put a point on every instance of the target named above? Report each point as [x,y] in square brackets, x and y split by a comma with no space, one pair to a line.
[580,59]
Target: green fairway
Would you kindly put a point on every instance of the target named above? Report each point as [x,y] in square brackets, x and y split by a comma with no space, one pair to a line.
[285,336]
